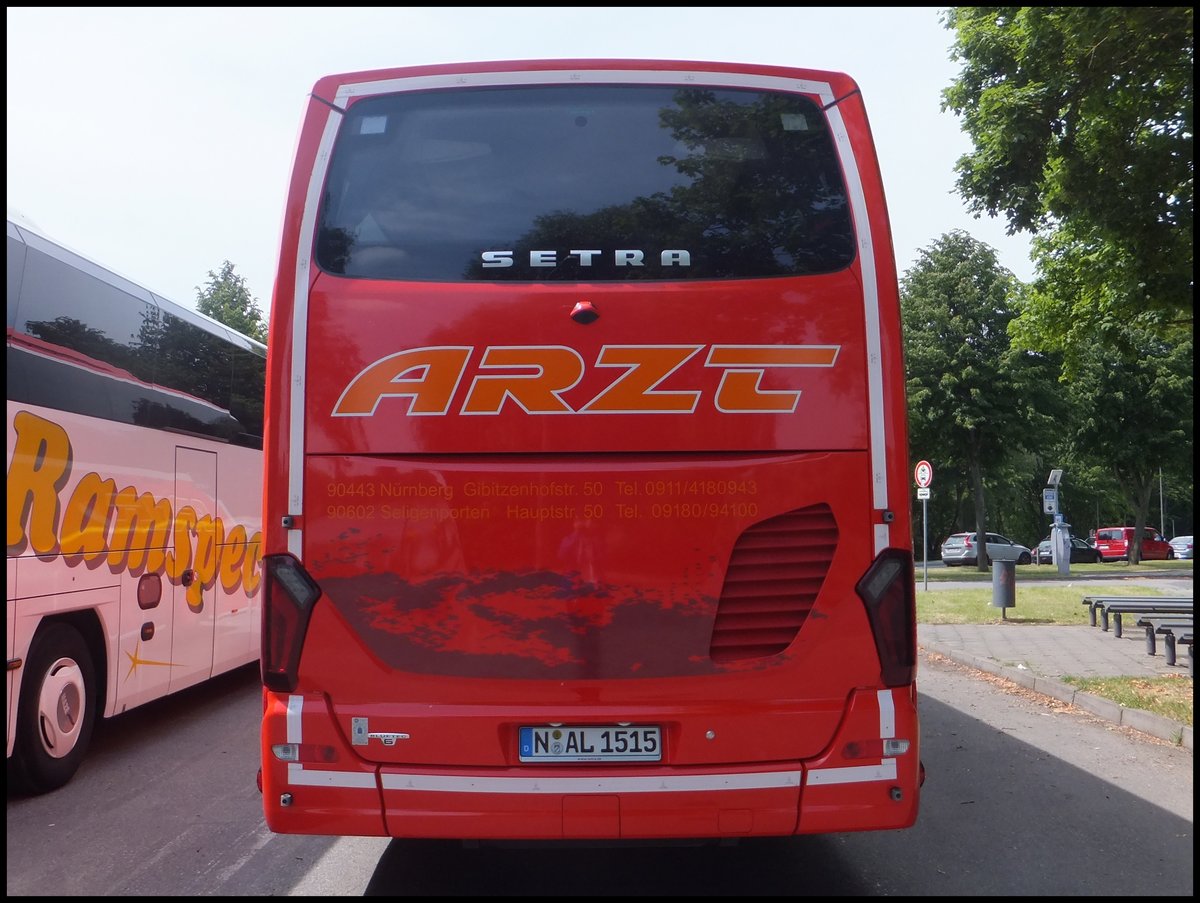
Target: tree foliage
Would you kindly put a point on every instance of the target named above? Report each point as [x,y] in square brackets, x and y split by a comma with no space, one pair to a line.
[226,298]
[1081,120]
[1134,416]
[972,397]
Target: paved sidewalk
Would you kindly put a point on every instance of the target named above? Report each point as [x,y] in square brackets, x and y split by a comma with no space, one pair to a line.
[1036,656]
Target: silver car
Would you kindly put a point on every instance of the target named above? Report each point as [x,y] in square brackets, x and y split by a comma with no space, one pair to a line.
[961,548]
[1182,546]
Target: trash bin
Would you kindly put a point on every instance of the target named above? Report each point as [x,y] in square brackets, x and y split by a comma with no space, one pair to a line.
[1004,585]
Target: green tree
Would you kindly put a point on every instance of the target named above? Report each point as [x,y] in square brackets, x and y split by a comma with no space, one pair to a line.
[1135,415]
[1081,119]
[981,403]
[226,298]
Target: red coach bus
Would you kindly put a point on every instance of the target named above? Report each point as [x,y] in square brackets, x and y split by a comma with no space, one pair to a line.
[586,504]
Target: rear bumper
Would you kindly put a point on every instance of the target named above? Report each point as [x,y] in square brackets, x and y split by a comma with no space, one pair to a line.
[846,788]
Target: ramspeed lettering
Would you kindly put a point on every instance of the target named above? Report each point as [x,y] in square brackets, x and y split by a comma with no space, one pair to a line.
[535,377]
[124,529]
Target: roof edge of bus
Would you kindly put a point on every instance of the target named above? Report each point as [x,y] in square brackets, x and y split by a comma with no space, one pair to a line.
[26,227]
[551,64]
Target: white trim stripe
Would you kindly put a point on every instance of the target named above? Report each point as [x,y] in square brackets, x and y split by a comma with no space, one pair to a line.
[885,770]
[866,256]
[299,776]
[854,774]
[887,714]
[883,535]
[582,76]
[295,724]
[632,784]
[297,382]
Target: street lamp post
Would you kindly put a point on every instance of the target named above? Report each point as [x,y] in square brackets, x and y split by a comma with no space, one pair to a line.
[1162,517]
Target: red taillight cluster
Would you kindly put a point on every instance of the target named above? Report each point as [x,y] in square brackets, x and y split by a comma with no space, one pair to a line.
[888,591]
[288,599]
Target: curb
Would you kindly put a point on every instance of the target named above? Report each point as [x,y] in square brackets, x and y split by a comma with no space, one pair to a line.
[1148,723]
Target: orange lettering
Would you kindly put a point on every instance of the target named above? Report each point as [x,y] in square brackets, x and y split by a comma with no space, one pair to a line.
[429,376]
[232,554]
[535,377]
[744,365]
[555,370]
[251,575]
[85,519]
[646,367]
[180,559]
[41,463]
[143,524]
[210,533]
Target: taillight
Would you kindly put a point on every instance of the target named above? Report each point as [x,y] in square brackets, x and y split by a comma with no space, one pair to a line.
[289,595]
[889,592]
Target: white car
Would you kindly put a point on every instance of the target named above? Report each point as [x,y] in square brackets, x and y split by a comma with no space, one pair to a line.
[1182,546]
[960,548]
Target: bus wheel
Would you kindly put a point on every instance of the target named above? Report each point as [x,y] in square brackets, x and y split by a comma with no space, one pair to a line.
[57,710]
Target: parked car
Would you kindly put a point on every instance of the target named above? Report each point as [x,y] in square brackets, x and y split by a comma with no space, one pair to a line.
[960,548]
[1082,552]
[1116,543]
[1182,546]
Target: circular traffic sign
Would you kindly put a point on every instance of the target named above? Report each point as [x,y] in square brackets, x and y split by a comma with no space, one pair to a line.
[923,474]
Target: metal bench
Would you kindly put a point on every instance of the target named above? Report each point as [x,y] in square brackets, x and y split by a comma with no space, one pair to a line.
[1170,628]
[1171,637]
[1130,608]
[1097,604]
[1186,640]
[1109,608]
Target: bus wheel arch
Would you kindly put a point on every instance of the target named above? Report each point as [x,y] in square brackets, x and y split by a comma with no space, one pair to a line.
[59,702]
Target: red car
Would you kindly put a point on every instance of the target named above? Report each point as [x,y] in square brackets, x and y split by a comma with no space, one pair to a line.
[1116,543]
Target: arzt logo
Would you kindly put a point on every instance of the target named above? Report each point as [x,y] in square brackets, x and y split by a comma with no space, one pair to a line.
[536,377]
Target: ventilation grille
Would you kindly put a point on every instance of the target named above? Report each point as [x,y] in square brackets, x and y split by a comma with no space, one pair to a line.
[775,573]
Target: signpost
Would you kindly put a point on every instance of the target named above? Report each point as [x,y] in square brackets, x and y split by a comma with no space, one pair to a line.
[923,474]
[1060,533]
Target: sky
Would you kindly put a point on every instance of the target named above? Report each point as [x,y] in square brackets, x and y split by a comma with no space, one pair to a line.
[158,141]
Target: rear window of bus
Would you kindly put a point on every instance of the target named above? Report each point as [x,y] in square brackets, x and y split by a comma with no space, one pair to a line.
[584,183]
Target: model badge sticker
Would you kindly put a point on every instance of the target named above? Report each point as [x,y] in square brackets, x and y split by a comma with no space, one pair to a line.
[585,258]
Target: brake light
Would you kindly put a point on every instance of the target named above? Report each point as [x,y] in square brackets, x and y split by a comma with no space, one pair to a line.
[889,593]
[875,749]
[304,752]
[289,595]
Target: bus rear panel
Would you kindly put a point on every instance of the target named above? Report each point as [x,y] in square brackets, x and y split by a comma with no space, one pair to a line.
[586,511]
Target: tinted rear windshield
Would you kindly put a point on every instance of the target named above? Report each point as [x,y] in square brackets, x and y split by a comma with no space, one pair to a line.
[584,183]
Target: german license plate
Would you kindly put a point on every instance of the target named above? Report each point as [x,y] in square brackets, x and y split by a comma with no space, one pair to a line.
[591,743]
